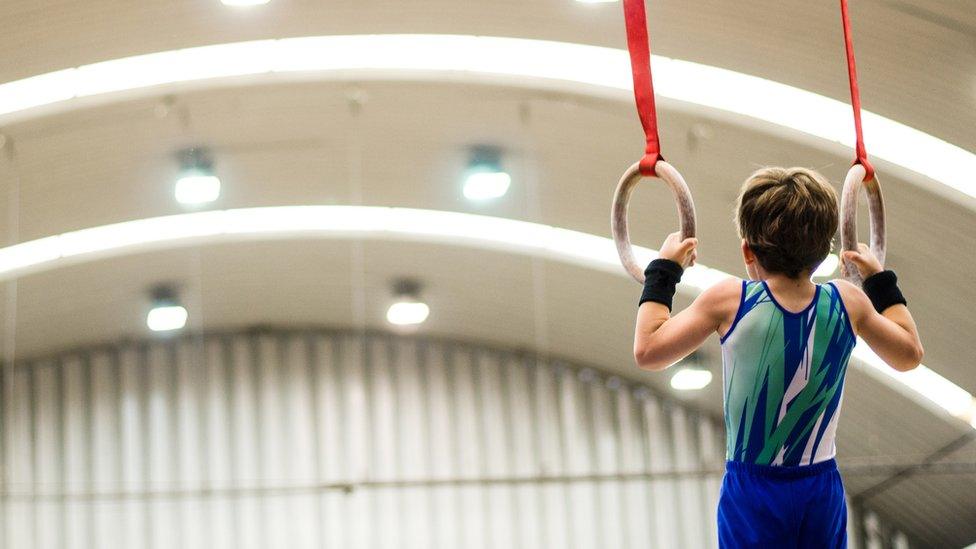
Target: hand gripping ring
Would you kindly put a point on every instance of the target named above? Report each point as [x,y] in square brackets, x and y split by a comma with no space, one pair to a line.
[848,208]
[621,199]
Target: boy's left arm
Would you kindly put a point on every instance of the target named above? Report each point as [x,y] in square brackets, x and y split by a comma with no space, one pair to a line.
[660,340]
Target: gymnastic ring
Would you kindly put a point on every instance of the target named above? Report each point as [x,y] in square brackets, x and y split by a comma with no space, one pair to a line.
[876,211]
[621,199]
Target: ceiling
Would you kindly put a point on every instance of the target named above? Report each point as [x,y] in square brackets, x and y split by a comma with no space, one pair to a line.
[405,145]
[916,59]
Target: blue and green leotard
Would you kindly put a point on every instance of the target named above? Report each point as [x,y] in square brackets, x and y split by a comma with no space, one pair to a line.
[784,377]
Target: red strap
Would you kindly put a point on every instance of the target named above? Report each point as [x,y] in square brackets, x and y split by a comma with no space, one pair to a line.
[640,61]
[862,154]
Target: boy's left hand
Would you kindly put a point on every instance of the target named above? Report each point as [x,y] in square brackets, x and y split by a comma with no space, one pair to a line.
[682,252]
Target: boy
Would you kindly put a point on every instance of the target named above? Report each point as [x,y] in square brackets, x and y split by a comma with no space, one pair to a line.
[785,346]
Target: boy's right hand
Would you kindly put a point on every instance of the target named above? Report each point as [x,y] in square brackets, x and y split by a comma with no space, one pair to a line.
[865,261]
[680,251]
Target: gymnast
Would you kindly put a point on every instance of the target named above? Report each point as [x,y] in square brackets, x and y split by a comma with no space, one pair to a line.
[785,340]
[785,345]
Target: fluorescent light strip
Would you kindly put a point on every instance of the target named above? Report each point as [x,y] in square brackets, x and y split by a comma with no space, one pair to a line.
[513,61]
[448,228]
[828,267]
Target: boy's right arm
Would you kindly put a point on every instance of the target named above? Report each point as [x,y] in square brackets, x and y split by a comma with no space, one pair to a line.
[892,333]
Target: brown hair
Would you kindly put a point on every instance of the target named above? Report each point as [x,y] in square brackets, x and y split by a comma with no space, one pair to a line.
[788,218]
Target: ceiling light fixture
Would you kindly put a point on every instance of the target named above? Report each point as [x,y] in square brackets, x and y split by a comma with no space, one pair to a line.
[691,378]
[407,309]
[197,183]
[166,313]
[485,179]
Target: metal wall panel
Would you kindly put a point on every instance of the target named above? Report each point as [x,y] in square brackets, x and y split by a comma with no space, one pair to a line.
[336,439]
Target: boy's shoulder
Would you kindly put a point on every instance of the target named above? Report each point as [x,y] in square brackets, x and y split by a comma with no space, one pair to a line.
[855,301]
[727,287]
[849,292]
[723,296]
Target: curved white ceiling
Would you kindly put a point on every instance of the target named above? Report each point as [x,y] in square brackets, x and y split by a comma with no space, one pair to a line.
[521,62]
[448,228]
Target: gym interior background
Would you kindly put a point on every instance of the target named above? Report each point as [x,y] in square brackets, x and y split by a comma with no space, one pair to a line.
[334,273]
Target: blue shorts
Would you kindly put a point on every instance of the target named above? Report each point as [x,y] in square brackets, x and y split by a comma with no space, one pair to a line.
[782,507]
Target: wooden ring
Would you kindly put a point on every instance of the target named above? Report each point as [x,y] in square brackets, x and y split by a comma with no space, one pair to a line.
[621,199]
[848,209]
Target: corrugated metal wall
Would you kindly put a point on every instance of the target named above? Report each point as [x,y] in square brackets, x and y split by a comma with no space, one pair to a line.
[333,439]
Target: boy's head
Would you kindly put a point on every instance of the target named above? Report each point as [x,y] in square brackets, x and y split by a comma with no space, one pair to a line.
[787,217]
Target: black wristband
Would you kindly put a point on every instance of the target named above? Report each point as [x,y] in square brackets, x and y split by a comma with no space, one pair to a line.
[660,279]
[882,290]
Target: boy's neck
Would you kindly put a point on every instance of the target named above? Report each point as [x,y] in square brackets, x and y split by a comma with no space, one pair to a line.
[780,280]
